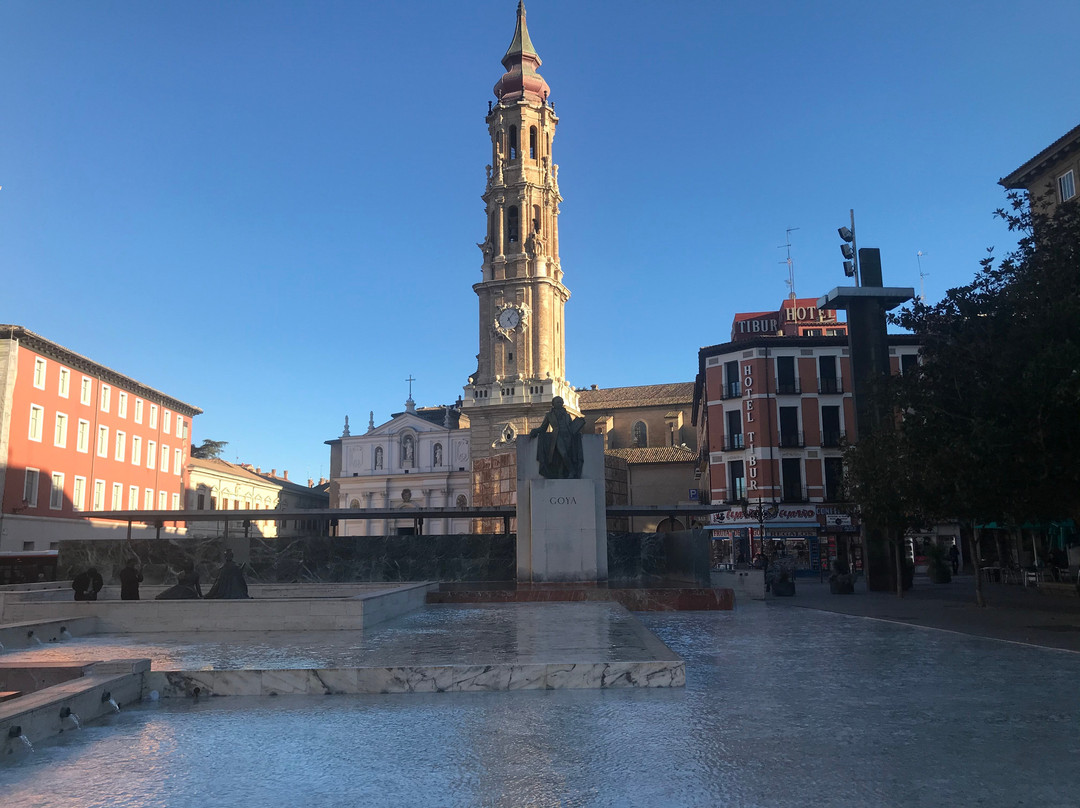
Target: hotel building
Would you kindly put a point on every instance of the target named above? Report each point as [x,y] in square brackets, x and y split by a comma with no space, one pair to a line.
[773,408]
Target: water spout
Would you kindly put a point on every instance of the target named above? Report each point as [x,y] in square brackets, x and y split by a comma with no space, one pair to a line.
[114,705]
[30,635]
[67,714]
[65,634]
[106,698]
[16,732]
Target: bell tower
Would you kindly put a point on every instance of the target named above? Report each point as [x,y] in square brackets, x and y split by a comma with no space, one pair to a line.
[521,365]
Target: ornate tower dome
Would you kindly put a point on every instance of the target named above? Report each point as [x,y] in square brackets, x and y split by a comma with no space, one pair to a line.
[521,81]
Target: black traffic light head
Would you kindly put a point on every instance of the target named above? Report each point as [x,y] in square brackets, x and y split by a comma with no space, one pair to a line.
[849,269]
[847,251]
[846,234]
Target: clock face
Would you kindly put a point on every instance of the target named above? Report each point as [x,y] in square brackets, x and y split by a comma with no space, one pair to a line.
[509,318]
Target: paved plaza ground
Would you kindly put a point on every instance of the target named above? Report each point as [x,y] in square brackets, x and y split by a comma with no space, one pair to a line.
[1013,612]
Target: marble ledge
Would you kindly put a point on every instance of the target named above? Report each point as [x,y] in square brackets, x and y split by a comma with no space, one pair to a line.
[417,679]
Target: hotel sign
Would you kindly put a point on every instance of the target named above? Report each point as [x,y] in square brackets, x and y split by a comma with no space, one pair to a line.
[790,315]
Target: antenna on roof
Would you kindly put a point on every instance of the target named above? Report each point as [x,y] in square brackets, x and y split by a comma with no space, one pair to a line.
[922,275]
[790,266]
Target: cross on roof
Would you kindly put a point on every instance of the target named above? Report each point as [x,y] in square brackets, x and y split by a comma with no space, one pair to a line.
[410,380]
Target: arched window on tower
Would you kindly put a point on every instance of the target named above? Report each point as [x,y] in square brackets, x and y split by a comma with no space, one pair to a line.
[532,143]
[512,146]
[499,141]
[641,434]
[512,225]
[536,219]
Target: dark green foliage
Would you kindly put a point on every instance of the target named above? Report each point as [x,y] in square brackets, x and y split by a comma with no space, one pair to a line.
[937,568]
[988,429]
[991,418]
[209,449]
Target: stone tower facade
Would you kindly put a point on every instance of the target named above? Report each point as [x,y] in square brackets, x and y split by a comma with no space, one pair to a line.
[522,298]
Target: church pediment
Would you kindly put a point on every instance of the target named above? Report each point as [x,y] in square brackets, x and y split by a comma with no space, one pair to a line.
[406,421]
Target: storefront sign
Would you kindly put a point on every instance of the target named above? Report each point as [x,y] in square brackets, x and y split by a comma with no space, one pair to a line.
[786,516]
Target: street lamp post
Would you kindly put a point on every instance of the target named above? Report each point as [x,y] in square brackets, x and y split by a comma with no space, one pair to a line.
[762,513]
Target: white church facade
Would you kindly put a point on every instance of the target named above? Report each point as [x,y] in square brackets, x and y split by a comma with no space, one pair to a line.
[417,459]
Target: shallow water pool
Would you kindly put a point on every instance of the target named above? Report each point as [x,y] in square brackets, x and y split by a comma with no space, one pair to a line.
[782,707]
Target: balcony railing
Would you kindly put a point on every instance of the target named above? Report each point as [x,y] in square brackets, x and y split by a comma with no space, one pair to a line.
[731,390]
[832,438]
[791,440]
[788,388]
[829,386]
[732,443]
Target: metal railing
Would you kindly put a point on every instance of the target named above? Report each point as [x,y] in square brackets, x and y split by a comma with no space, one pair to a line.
[791,440]
[832,438]
[830,386]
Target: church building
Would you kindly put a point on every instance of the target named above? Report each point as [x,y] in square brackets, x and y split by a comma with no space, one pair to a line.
[417,459]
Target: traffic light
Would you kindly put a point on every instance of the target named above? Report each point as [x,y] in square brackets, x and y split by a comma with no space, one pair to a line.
[847,250]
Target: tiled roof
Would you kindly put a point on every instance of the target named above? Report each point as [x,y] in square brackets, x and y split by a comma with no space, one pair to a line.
[36,342]
[242,471]
[1059,148]
[219,466]
[646,395]
[656,454]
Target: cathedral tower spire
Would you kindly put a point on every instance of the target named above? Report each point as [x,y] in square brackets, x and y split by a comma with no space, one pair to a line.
[521,60]
[522,298]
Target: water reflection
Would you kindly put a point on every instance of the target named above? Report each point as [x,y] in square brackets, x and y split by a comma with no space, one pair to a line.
[782,707]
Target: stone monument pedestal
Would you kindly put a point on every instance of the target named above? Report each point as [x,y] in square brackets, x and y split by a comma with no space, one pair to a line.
[561,524]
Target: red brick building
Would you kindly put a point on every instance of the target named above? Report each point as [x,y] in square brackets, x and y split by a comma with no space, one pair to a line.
[76,436]
[773,409]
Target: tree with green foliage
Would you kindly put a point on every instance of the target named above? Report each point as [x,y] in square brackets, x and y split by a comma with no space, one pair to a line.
[209,449]
[988,428]
[885,482]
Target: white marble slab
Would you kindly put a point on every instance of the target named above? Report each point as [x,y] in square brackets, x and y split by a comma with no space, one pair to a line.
[442,648]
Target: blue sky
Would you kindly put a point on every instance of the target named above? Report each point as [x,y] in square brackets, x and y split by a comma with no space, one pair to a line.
[270,209]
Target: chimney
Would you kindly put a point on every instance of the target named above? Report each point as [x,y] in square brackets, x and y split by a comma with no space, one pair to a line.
[273,472]
[286,473]
[258,470]
[323,481]
[592,386]
[310,483]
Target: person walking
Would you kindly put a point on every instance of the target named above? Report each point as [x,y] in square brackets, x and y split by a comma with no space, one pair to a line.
[130,578]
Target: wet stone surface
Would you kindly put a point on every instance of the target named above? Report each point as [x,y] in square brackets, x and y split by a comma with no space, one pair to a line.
[435,635]
[782,707]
